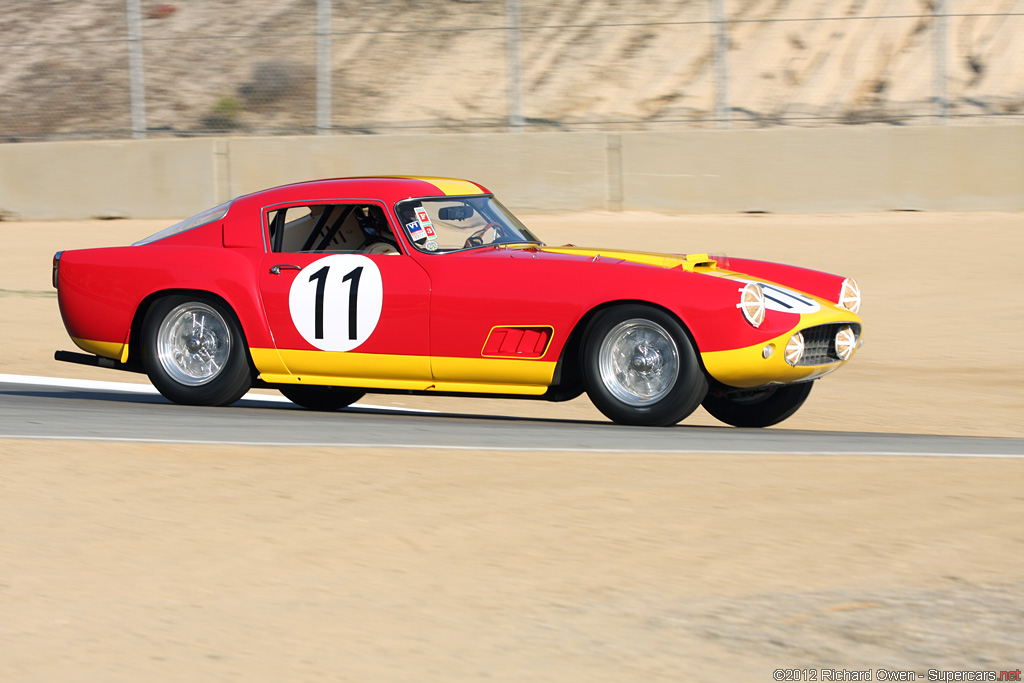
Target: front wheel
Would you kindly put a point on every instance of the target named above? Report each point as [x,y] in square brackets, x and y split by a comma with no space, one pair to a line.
[639,367]
[321,398]
[194,353]
[760,407]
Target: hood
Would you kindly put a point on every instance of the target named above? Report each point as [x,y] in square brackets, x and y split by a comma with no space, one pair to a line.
[825,286]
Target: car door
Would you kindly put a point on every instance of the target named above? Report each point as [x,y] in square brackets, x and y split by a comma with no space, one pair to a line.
[340,313]
[498,317]
[494,323]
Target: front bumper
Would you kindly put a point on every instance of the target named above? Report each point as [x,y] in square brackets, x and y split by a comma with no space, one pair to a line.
[765,363]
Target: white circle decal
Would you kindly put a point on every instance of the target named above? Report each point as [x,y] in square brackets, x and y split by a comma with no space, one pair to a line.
[335,302]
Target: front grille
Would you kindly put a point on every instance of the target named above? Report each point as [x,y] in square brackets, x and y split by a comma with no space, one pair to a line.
[820,343]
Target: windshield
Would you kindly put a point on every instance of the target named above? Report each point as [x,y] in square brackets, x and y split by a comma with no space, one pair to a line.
[208,216]
[444,224]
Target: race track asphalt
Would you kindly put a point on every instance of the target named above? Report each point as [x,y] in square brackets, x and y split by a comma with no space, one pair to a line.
[44,412]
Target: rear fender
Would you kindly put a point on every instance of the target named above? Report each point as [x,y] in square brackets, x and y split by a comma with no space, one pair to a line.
[104,293]
[135,338]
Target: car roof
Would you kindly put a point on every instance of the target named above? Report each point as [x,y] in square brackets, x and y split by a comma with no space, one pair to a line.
[389,189]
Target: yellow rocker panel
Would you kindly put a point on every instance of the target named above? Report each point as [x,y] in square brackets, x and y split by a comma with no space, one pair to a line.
[385,371]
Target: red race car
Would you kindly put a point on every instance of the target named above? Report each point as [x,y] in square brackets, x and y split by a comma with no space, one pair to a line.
[330,289]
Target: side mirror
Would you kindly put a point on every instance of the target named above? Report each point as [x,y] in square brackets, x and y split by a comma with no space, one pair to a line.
[455,213]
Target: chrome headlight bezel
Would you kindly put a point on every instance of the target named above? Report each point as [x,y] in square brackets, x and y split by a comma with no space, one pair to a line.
[795,349]
[849,295]
[845,342]
[752,304]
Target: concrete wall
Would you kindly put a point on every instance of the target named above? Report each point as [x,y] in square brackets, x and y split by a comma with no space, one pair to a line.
[131,179]
[841,169]
[832,170]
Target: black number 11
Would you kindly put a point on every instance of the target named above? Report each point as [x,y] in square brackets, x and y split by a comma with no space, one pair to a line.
[353,296]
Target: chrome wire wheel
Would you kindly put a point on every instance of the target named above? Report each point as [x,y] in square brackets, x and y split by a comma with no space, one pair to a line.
[193,344]
[638,361]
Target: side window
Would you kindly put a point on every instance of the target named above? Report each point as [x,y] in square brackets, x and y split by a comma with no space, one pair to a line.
[361,228]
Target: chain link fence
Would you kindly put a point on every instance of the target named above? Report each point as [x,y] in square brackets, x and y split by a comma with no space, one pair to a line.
[90,69]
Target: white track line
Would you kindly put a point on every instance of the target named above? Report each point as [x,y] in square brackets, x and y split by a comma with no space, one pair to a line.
[35,380]
[514,449]
[131,388]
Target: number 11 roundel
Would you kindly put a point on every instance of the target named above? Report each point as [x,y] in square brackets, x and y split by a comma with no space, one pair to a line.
[335,302]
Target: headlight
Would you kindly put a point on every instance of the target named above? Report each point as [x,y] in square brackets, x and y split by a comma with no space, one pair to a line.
[846,342]
[752,303]
[849,295]
[795,349]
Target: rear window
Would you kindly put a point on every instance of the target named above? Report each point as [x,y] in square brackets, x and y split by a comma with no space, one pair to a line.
[208,216]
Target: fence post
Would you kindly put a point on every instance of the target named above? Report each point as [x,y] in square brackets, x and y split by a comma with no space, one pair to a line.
[515,87]
[721,50]
[136,72]
[323,67]
[940,56]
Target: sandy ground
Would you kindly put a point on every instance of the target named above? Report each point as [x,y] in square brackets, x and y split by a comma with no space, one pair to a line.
[145,562]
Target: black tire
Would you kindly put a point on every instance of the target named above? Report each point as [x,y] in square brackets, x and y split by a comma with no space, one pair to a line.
[321,398]
[640,368]
[761,407]
[194,352]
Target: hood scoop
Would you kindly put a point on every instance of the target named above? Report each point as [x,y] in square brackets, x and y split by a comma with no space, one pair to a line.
[700,263]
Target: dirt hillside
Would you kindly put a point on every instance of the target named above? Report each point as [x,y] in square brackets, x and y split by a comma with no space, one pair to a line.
[398,65]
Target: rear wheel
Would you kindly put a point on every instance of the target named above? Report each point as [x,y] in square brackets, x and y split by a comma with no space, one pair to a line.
[639,367]
[760,407]
[193,351]
[321,398]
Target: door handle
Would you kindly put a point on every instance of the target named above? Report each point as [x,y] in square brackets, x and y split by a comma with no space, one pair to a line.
[276,270]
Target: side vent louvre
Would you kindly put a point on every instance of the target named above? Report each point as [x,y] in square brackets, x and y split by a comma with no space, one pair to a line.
[520,341]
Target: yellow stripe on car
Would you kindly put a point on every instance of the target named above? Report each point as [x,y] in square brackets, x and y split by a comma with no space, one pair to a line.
[448,186]
[688,262]
[100,348]
[387,371]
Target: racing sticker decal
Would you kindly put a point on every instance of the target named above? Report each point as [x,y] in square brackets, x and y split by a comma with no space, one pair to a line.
[786,300]
[335,302]
[424,219]
[416,232]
